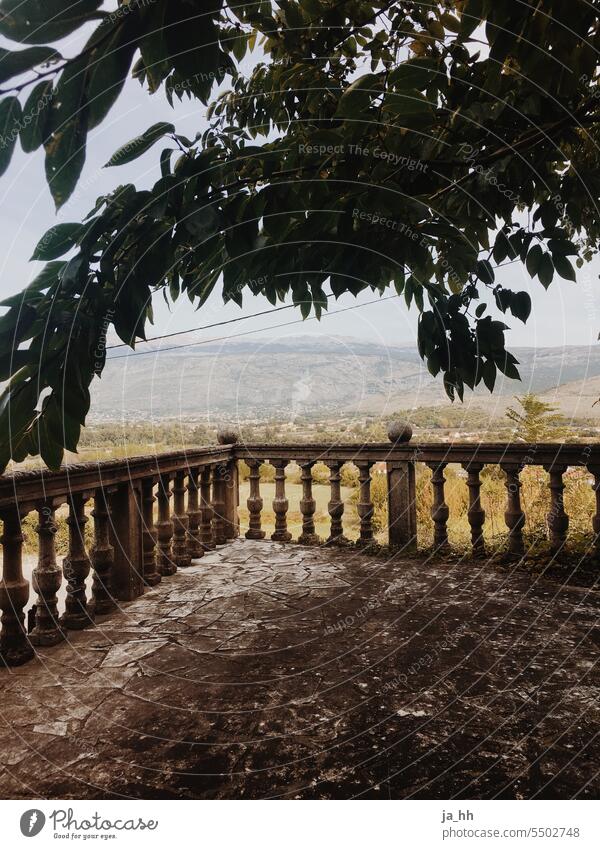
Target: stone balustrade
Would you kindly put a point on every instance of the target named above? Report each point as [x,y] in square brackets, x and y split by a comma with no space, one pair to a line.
[153,515]
[134,544]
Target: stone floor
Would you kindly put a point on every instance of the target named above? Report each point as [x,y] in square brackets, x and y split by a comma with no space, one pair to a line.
[284,671]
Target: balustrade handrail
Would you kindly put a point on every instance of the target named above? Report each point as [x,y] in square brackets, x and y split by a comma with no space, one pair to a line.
[197,491]
[520,453]
[29,485]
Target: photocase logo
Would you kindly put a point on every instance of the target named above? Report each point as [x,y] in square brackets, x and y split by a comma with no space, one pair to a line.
[32,822]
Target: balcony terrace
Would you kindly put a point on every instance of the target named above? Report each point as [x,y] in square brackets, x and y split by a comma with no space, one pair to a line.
[205,662]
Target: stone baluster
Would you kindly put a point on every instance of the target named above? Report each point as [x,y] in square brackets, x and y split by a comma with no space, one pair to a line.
[76,567]
[595,471]
[46,581]
[280,503]
[335,506]
[231,496]
[308,506]
[206,510]
[15,648]
[102,556]
[181,555]
[439,509]
[218,501]
[194,543]
[476,514]
[254,502]
[164,527]
[364,506]
[152,576]
[514,516]
[557,519]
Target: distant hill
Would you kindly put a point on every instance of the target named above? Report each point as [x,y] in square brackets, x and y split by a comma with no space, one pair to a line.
[287,378]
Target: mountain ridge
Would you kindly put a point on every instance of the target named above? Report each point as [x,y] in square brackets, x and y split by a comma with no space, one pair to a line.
[287,377]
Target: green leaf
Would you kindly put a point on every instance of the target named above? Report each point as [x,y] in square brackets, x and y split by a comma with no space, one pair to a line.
[35,116]
[57,241]
[153,46]
[414,74]
[546,271]
[357,97]
[507,367]
[471,15]
[564,267]
[12,64]
[193,43]
[485,272]
[139,145]
[165,162]
[409,105]
[108,67]
[10,118]
[68,124]
[40,21]
[74,273]
[534,259]
[488,373]
[520,306]
[51,452]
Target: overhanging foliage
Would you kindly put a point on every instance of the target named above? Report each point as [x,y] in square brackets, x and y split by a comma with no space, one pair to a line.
[414,145]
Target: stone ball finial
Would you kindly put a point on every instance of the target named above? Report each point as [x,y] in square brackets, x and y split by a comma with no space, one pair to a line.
[399,432]
[227,435]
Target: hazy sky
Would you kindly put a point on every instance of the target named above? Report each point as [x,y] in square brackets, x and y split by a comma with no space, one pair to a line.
[568,314]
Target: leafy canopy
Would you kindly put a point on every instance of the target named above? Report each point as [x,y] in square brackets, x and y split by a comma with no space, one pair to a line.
[369,144]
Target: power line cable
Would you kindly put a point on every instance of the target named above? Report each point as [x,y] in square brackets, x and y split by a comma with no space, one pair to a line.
[209,326]
[249,332]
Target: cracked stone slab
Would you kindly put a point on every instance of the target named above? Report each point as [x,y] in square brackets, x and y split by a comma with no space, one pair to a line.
[125,653]
[268,670]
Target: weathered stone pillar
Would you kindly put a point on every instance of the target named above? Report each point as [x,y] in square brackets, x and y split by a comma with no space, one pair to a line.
[102,555]
[181,555]
[307,507]
[254,502]
[513,516]
[335,507]
[476,514]
[46,580]
[164,527]
[76,567]
[206,510]
[232,495]
[15,648]
[218,503]
[280,503]
[439,510]
[595,471]
[557,519]
[402,508]
[194,543]
[126,539]
[227,435]
[365,506]
[152,576]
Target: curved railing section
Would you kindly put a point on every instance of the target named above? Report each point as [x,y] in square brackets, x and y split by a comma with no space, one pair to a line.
[153,515]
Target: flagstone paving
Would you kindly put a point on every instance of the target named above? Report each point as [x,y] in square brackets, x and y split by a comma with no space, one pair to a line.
[292,672]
